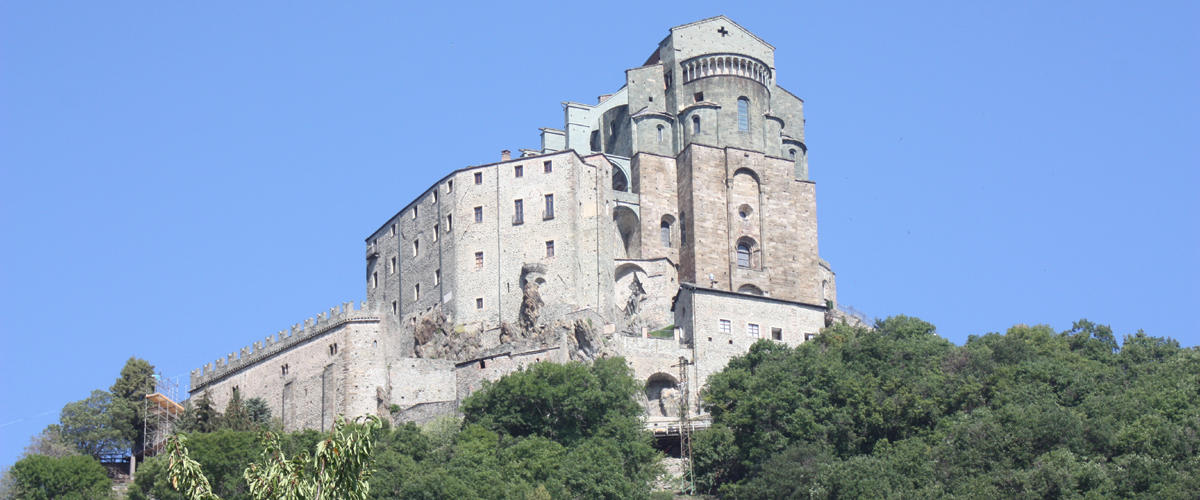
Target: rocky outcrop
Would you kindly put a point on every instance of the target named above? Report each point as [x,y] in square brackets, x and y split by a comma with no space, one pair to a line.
[436,338]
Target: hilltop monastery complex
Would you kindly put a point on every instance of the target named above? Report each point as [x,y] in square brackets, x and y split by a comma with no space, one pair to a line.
[672,219]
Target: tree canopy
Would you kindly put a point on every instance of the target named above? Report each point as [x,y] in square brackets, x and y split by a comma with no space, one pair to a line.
[898,412]
[76,477]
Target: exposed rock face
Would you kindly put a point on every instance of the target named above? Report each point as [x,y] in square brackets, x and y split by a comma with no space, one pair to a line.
[582,341]
[436,338]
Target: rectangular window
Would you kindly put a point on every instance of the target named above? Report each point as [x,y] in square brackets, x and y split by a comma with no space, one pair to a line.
[810,336]
[479,303]
[478,214]
[416,292]
[726,326]
[549,214]
[519,171]
[548,166]
[374,280]
[449,223]
[395,308]
[699,96]
[392,266]
[518,211]
[478,260]
[450,186]
[392,231]
[416,247]
[777,334]
[550,248]
[752,330]
[435,232]
[414,216]
[478,177]
[437,277]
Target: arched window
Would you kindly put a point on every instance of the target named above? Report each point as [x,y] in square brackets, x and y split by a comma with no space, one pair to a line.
[665,233]
[695,124]
[743,255]
[743,114]
[660,134]
[792,153]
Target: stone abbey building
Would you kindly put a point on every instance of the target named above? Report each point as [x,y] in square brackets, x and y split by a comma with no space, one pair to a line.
[673,218]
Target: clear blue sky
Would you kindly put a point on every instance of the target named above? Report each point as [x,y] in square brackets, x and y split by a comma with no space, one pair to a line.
[178,180]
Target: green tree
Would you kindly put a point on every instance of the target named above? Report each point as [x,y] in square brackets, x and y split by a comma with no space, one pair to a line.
[236,417]
[96,426]
[338,469]
[50,442]
[128,394]
[39,477]
[258,411]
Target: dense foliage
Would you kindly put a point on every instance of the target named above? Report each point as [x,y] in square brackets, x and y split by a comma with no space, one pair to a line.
[898,412]
[76,477]
[552,431]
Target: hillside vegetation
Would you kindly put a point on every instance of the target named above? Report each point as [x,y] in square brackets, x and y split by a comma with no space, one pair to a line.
[899,412]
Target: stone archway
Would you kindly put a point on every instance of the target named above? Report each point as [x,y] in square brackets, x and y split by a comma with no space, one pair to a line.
[662,395]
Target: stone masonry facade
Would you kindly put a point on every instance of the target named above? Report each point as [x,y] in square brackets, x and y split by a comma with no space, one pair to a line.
[672,220]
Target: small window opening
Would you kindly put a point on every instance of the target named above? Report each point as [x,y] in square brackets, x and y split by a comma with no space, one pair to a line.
[435,232]
[332,351]
[479,303]
[478,260]
[777,334]
[392,266]
[414,213]
[450,186]
[743,114]
[743,256]
[478,214]
[547,166]
[433,196]
[449,223]
[482,364]
[416,292]
[665,233]
[519,171]
[479,177]
[550,248]
[437,276]
[695,124]
[698,96]
[660,134]
[726,326]
[518,211]
[395,308]
[549,212]
[374,280]
[809,336]
[416,247]
[392,231]
[752,330]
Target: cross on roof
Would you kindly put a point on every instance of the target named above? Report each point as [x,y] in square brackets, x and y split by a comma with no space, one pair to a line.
[722,31]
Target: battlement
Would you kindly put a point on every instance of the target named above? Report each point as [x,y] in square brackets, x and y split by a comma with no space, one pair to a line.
[312,327]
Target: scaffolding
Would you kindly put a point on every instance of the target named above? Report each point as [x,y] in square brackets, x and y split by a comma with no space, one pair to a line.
[161,412]
[687,484]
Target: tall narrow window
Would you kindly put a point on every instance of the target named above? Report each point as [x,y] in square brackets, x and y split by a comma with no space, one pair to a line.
[478,214]
[449,223]
[395,308]
[478,260]
[392,231]
[450,186]
[518,211]
[743,114]
[437,277]
[660,134]
[392,266]
[416,292]
[743,255]
[416,247]
[550,248]
[435,232]
[665,233]
[479,303]
[519,171]
[479,177]
[549,214]
[792,154]
[695,124]
[414,215]
[433,196]
[374,280]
